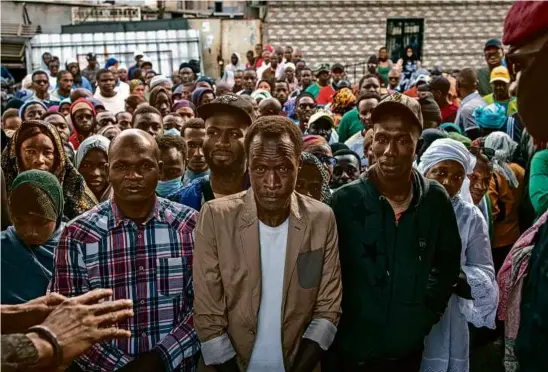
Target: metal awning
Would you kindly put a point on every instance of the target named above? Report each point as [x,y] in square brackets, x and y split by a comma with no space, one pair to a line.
[15,37]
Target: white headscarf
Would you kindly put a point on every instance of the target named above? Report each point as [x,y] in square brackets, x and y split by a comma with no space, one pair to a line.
[448,149]
[90,143]
[504,148]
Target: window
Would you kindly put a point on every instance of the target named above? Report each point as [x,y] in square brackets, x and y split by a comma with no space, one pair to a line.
[218,7]
[401,33]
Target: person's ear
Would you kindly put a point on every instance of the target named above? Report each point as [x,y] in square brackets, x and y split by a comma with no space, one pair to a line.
[160,166]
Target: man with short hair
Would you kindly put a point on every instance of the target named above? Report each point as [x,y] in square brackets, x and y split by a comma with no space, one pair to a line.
[40,85]
[281,91]
[141,246]
[91,69]
[138,57]
[193,132]
[53,66]
[64,87]
[173,120]
[394,76]
[399,249]
[266,270]
[467,86]
[104,119]
[186,73]
[123,119]
[269,106]
[439,87]
[500,82]
[173,154]
[226,121]
[280,66]
[288,54]
[149,119]
[337,74]
[321,89]
[238,81]
[494,54]
[112,100]
[347,168]
[249,82]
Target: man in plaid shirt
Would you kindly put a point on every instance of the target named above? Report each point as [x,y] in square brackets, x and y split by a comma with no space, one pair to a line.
[141,246]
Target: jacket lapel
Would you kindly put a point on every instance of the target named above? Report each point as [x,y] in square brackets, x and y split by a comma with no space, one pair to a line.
[295,237]
[249,240]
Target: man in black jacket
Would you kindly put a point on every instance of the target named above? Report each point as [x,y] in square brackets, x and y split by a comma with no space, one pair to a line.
[399,248]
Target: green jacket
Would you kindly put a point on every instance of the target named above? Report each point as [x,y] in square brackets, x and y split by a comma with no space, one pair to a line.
[350,124]
[397,280]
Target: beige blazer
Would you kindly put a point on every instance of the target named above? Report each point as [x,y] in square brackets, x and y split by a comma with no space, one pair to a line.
[227,277]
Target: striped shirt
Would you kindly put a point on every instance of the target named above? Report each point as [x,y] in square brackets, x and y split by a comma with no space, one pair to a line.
[149,263]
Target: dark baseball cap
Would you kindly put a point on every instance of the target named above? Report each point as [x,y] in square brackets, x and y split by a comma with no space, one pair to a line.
[398,103]
[440,83]
[493,43]
[325,67]
[337,66]
[91,57]
[228,103]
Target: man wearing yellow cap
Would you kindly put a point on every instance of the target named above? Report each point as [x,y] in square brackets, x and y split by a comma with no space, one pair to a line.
[500,82]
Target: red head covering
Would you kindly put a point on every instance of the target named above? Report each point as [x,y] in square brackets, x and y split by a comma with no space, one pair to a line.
[525,21]
[79,104]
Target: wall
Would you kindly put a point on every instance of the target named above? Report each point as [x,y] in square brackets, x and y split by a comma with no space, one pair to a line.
[49,16]
[222,37]
[350,31]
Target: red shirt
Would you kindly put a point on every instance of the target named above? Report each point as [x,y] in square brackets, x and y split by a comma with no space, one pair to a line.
[449,113]
[326,95]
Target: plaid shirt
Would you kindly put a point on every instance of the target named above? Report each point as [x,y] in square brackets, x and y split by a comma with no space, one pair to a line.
[149,263]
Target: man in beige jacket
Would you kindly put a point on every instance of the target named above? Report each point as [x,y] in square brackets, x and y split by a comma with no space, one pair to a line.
[266,266]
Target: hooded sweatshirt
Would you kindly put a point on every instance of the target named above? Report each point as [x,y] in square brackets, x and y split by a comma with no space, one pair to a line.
[397,276]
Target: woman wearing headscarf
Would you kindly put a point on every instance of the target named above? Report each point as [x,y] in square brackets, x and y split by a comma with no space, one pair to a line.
[343,101]
[160,99]
[318,146]
[201,96]
[137,88]
[505,191]
[36,210]
[313,179]
[91,161]
[476,293]
[490,118]
[64,107]
[37,145]
[235,64]
[110,131]
[185,108]
[32,109]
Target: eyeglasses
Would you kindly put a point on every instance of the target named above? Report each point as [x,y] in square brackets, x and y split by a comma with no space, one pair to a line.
[305,106]
[326,160]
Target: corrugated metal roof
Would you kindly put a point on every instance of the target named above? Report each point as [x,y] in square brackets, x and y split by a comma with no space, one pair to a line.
[167,49]
[153,25]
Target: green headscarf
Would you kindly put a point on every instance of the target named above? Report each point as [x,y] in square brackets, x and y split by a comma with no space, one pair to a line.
[42,196]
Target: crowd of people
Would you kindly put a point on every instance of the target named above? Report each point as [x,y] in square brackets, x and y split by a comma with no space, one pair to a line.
[281,218]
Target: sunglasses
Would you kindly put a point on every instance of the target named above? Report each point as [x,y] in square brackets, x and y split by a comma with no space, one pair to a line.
[309,106]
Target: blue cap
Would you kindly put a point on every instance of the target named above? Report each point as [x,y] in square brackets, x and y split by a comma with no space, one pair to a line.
[493,43]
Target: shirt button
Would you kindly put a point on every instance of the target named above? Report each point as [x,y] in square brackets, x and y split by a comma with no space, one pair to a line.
[144,334]
[142,302]
[139,236]
[141,268]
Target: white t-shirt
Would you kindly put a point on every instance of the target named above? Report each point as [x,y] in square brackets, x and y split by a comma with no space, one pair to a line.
[267,352]
[122,89]
[113,104]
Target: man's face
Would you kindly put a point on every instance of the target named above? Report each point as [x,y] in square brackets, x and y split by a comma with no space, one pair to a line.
[173,122]
[372,67]
[148,77]
[134,170]
[309,181]
[289,74]
[94,169]
[54,67]
[123,75]
[337,75]
[393,148]
[73,69]
[224,143]
[493,56]
[206,98]
[288,54]
[194,138]
[238,78]
[186,113]
[250,79]
[394,81]
[34,111]
[162,103]
[258,49]
[92,63]
[107,83]
[40,83]
[103,119]
[479,181]
[124,120]
[83,121]
[500,90]
[281,92]
[321,127]
[365,109]
[187,93]
[306,77]
[46,57]
[187,75]
[273,167]
[323,77]
[370,85]
[173,164]
[346,170]
[266,57]
[150,122]
[145,68]
[280,55]
[61,125]
[450,174]
[305,109]
[65,82]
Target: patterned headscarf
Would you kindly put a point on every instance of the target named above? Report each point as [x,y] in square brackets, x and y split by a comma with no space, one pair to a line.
[307,157]
[78,197]
[343,101]
[134,84]
[504,148]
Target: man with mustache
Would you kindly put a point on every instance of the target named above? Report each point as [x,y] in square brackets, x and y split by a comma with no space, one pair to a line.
[266,271]
[399,249]
[494,54]
[226,121]
[193,133]
[140,246]
[113,101]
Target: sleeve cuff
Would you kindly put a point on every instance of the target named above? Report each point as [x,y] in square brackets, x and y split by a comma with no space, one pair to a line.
[218,350]
[321,331]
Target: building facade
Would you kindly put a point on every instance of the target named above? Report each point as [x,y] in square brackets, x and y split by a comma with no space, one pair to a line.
[449,33]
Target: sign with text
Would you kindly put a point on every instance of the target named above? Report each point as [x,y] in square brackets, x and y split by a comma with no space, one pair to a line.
[105,14]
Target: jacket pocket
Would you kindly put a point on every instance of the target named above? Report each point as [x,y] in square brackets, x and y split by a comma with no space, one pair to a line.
[309,268]
[170,276]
